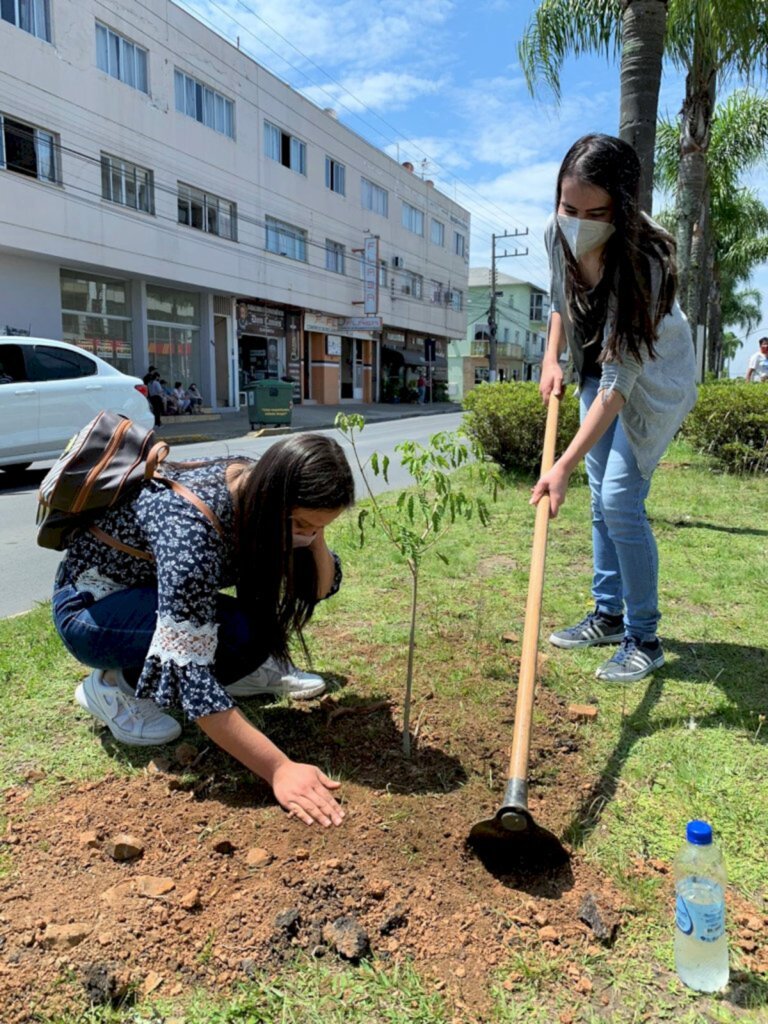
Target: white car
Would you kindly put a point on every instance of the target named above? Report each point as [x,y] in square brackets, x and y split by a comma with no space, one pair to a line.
[49,390]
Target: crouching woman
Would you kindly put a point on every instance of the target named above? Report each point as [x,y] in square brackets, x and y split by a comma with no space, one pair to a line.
[139,601]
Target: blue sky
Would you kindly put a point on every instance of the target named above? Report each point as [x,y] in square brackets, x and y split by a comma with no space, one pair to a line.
[437,82]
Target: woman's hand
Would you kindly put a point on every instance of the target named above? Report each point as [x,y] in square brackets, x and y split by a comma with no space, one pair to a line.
[551,381]
[303,790]
[555,484]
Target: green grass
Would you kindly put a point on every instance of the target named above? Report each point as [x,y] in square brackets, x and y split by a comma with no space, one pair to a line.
[687,743]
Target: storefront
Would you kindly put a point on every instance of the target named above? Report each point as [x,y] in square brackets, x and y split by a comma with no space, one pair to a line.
[96,315]
[339,364]
[405,358]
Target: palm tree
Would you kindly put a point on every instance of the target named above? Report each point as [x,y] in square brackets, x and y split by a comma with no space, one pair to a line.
[710,40]
[738,219]
[633,28]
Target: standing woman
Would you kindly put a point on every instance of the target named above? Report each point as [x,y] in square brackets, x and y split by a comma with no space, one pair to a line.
[138,599]
[613,287]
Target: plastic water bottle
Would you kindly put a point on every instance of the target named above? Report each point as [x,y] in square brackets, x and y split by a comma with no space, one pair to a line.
[701,945]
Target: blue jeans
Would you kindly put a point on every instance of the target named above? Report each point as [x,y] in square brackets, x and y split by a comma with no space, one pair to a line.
[625,557]
[116,631]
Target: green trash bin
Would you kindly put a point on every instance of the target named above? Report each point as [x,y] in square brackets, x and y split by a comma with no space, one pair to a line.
[269,402]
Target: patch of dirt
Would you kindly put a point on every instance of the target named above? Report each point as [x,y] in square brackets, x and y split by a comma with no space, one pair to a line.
[495,565]
[219,884]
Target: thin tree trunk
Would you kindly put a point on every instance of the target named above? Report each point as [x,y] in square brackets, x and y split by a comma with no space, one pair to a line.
[409,675]
[696,123]
[715,324]
[643,23]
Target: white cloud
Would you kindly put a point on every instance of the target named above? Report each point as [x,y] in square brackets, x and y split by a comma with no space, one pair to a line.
[383,90]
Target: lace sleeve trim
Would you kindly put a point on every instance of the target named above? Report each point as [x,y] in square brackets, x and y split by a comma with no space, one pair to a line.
[185,643]
[93,582]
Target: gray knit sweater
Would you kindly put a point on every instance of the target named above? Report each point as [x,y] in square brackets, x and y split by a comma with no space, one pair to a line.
[658,393]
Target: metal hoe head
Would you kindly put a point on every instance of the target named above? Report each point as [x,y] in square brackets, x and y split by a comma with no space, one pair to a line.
[512,842]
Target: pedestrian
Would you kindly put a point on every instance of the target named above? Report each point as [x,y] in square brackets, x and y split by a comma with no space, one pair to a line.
[757,369]
[421,388]
[195,398]
[150,619]
[180,397]
[613,285]
[149,375]
[156,398]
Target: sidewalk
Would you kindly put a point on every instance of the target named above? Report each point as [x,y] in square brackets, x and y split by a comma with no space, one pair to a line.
[226,425]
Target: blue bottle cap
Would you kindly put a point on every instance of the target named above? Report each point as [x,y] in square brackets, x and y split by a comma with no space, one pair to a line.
[698,832]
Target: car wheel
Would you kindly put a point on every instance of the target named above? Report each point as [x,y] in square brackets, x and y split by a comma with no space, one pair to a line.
[17,467]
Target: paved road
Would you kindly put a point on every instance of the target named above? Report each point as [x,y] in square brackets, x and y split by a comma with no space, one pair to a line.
[28,570]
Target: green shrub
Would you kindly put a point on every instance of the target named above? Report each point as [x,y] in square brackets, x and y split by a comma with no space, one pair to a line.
[730,423]
[508,420]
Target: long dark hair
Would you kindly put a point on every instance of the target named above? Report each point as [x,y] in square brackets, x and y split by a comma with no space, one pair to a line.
[276,584]
[637,244]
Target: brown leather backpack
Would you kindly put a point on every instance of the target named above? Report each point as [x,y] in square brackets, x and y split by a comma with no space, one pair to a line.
[100,467]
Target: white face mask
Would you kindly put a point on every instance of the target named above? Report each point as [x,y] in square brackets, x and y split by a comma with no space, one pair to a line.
[583,236]
[303,540]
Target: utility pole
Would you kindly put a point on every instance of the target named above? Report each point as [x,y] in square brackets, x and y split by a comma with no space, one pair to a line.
[493,361]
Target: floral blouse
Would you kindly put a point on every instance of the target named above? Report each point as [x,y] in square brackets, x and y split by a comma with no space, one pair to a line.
[192,563]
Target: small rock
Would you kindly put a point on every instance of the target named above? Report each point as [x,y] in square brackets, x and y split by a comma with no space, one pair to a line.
[347,937]
[89,839]
[103,985]
[185,753]
[582,712]
[659,865]
[510,638]
[34,775]
[115,895]
[583,985]
[154,887]
[65,936]
[603,924]
[333,864]
[225,847]
[159,765]
[301,854]
[124,847]
[257,857]
[549,934]
[288,921]
[105,938]
[461,971]
[190,900]
[152,981]
[747,945]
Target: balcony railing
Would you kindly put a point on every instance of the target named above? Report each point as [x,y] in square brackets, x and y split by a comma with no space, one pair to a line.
[504,349]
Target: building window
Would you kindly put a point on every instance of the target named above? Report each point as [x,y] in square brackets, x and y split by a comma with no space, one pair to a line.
[207,212]
[286,240]
[539,307]
[374,198]
[457,300]
[173,333]
[459,244]
[437,290]
[413,219]
[127,184]
[383,274]
[335,176]
[286,149]
[121,58]
[96,315]
[414,285]
[334,256]
[28,150]
[204,104]
[437,232]
[33,16]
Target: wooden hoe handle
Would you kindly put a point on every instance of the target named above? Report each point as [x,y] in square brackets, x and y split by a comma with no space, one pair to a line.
[526,687]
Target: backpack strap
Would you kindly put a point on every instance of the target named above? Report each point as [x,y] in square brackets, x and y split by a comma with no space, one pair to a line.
[181,490]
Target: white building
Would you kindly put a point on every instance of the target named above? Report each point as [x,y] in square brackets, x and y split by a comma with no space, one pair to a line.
[165,200]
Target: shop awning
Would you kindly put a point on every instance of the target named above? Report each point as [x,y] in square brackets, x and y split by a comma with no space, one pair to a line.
[404,357]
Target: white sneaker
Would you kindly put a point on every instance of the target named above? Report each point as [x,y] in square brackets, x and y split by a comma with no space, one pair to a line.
[135,722]
[280,681]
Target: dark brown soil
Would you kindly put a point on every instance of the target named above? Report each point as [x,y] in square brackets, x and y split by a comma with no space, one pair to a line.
[227,885]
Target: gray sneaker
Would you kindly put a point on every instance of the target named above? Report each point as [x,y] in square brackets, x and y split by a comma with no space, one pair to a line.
[134,721]
[596,628]
[278,681]
[634,660]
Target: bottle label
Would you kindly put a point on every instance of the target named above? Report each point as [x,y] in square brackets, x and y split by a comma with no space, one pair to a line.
[704,921]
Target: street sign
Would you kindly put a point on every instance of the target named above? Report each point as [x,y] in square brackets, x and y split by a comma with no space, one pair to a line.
[371,274]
